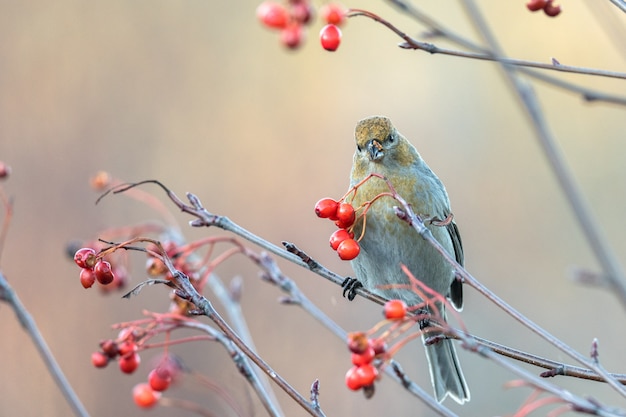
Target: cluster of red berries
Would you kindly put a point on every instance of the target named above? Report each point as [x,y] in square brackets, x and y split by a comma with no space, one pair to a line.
[548,7]
[291,18]
[124,349]
[92,268]
[343,215]
[366,350]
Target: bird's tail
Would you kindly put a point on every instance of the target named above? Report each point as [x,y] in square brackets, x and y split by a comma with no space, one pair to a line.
[445,372]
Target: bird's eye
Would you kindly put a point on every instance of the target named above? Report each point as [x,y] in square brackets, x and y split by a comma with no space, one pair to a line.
[358,148]
[391,138]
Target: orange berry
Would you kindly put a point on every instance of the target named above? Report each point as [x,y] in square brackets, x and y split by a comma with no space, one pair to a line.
[144,396]
[395,309]
[333,14]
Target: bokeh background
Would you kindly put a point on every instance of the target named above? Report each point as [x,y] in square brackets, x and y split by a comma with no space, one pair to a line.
[198,95]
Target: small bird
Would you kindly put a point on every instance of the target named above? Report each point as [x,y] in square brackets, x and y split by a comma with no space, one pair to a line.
[388,241]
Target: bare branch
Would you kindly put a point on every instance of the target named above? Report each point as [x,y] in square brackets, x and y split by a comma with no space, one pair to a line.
[28,323]
[411,43]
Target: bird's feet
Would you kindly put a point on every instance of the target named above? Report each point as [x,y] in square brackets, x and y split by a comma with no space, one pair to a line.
[423,318]
[350,285]
[435,221]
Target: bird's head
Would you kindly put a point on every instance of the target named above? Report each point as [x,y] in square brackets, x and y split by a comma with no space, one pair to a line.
[378,141]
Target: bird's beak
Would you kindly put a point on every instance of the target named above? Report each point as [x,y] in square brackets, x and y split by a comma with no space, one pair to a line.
[375,150]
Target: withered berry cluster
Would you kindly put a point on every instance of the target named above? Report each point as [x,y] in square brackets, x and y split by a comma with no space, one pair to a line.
[92,268]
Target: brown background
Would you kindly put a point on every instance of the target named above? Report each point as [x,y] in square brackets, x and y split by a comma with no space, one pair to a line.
[199,95]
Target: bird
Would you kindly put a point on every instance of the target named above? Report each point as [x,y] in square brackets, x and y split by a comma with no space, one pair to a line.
[387,242]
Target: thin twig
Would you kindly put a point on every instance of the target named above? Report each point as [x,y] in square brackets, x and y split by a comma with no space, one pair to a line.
[8,295]
[416,222]
[240,361]
[530,104]
[439,29]
[411,43]
[276,277]
[187,291]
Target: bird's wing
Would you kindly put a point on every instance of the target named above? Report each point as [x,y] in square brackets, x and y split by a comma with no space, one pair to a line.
[456,288]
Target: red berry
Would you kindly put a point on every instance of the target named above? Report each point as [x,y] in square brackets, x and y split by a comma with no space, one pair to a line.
[551,10]
[348,249]
[345,215]
[273,15]
[145,396]
[326,208]
[302,12]
[109,348]
[159,379]
[367,374]
[379,346]
[330,37]
[361,376]
[352,379]
[339,236]
[358,342]
[85,257]
[395,309]
[363,358]
[5,170]
[87,277]
[126,348]
[99,359]
[129,363]
[535,5]
[291,36]
[103,272]
[169,367]
[333,14]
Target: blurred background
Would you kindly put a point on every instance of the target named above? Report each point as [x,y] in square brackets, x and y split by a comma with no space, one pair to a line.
[200,96]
